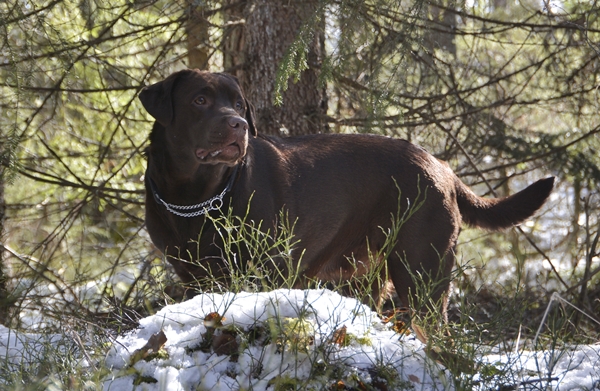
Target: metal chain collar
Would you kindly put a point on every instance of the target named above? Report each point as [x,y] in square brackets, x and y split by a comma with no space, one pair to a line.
[214,203]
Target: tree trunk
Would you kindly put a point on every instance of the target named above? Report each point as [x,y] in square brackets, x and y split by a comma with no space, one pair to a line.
[271,27]
[233,37]
[4,302]
[197,38]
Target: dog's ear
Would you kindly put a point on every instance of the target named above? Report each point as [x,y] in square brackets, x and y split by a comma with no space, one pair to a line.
[157,99]
[249,114]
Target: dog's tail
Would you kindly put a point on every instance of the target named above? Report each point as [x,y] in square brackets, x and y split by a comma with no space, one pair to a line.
[499,213]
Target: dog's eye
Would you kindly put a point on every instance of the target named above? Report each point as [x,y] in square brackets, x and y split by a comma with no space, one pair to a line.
[239,105]
[200,101]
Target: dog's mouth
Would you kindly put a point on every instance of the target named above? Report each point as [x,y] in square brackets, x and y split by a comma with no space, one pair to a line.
[228,153]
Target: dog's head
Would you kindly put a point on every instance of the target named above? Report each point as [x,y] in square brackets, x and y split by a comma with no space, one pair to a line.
[205,115]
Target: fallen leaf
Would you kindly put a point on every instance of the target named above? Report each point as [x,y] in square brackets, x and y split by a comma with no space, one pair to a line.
[154,344]
[224,344]
[213,320]
[339,336]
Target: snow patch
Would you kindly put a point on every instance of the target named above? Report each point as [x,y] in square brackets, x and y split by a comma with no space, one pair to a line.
[261,365]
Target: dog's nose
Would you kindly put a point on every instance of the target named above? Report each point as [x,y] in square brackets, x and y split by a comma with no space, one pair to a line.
[238,123]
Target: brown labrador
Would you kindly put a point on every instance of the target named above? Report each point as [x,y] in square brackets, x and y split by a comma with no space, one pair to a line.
[205,150]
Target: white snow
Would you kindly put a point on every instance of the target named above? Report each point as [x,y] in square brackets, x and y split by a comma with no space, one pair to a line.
[306,314]
[26,348]
[374,348]
[290,339]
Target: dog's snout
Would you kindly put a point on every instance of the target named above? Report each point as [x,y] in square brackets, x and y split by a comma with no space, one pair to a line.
[238,123]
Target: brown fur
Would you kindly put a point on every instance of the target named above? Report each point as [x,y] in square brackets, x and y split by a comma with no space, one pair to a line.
[340,188]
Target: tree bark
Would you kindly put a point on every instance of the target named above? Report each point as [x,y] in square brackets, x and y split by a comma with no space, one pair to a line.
[197,38]
[271,26]
[233,37]
[4,302]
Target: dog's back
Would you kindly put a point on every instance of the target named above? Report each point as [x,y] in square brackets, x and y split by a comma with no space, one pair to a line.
[344,190]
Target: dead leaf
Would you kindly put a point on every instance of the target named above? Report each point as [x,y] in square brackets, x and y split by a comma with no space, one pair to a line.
[154,344]
[339,336]
[393,316]
[420,333]
[213,320]
[224,344]
[401,328]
